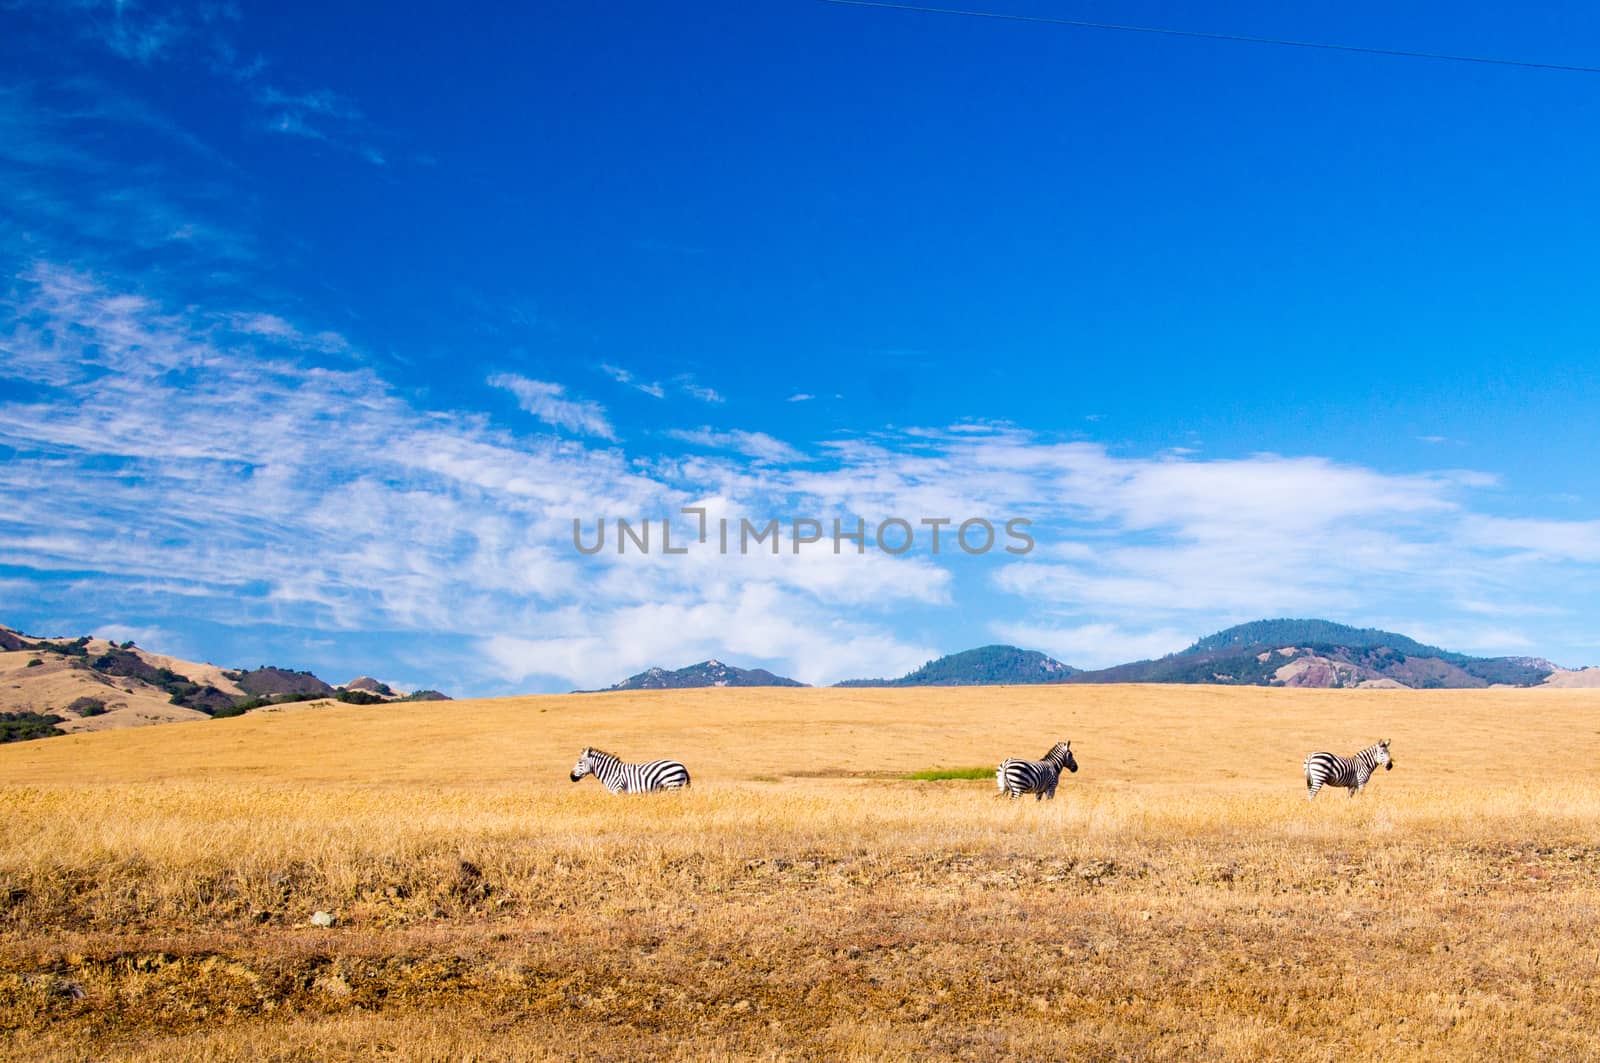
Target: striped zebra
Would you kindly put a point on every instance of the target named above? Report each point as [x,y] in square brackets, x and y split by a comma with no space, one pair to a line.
[1326,769]
[1038,777]
[622,778]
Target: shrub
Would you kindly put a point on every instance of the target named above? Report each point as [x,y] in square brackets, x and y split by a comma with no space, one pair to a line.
[24,726]
[87,706]
[36,662]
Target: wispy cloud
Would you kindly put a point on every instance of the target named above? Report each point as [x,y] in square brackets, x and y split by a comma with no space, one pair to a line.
[81,204]
[133,30]
[322,101]
[801,397]
[319,114]
[275,328]
[168,33]
[690,386]
[184,462]
[757,445]
[685,383]
[623,376]
[170,461]
[294,125]
[548,402]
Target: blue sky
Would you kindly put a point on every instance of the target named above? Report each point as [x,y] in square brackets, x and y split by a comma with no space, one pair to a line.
[321,325]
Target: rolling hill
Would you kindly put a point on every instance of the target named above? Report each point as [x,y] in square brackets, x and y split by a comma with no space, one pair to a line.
[712,673]
[51,686]
[984,666]
[1293,653]
[1321,653]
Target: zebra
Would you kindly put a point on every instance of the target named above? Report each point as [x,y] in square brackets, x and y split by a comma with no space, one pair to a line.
[622,778]
[1038,777]
[1326,769]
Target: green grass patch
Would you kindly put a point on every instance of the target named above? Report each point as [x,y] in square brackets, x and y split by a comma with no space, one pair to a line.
[939,774]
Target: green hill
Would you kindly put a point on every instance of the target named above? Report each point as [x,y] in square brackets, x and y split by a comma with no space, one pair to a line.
[984,666]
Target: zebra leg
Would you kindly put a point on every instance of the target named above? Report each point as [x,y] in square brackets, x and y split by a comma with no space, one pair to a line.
[1312,789]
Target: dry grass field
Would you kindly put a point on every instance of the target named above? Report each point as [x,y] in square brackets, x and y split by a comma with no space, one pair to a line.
[1180,899]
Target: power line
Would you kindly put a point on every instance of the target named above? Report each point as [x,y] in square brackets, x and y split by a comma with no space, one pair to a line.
[1203,35]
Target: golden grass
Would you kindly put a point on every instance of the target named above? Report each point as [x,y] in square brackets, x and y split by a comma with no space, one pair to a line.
[804,900]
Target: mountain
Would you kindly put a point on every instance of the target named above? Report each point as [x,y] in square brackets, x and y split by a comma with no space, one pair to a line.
[1321,653]
[712,673]
[1310,632]
[51,686]
[984,666]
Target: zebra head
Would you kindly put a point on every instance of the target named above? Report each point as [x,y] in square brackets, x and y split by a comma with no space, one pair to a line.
[1383,756]
[583,767]
[1061,756]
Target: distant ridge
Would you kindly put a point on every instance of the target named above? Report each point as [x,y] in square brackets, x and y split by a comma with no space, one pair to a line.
[712,673]
[1313,632]
[52,686]
[1322,653]
[1284,652]
[984,666]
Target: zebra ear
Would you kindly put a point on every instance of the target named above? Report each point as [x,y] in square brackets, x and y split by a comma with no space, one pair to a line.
[1384,743]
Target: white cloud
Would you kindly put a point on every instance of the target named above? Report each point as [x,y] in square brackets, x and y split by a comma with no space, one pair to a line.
[757,625]
[758,445]
[1091,646]
[160,639]
[275,328]
[1544,540]
[546,401]
[800,397]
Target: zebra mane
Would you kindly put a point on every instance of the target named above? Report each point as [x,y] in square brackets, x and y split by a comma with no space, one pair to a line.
[596,751]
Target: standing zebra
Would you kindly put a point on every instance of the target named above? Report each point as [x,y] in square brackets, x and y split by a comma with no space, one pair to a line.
[622,778]
[1038,777]
[1325,769]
